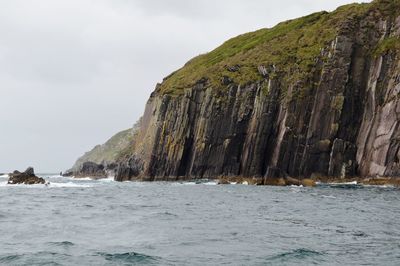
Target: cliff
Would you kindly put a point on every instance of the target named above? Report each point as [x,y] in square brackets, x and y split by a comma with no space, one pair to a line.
[107,154]
[314,96]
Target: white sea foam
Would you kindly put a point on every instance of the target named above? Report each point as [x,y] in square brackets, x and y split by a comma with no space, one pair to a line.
[345,183]
[329,196]
[81,178]
[108,179]
[69,185]
[380,186]
[51,185]
[186,183]
[4,176]
[5,184]
[55,176]
[191,183]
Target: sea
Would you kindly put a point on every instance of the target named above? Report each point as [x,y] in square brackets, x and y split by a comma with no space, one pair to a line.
[102,222]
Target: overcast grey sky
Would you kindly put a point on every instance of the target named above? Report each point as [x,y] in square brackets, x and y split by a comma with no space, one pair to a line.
[74,72]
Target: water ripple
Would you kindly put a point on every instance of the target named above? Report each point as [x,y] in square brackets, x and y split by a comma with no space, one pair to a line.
[62,244]
[169,224]
[129,258]
[295,255]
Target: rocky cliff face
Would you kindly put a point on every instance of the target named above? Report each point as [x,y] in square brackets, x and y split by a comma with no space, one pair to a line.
[314,96]
[105,155]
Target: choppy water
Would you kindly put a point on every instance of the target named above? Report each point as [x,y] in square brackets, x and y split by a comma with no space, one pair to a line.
[84,222]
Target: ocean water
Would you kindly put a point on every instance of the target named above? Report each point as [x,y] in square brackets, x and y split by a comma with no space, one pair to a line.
[85,222]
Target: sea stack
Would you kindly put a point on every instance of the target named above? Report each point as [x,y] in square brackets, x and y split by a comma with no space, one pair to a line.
[28,177]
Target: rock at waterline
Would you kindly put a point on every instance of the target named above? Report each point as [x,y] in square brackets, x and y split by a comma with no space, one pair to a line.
[67,173]
[30,171]
[28,177]
[92,170]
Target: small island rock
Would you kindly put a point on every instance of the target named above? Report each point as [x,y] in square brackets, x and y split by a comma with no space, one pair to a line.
[28,177]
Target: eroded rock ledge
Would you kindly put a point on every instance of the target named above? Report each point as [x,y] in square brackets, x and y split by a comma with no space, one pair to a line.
[93,170]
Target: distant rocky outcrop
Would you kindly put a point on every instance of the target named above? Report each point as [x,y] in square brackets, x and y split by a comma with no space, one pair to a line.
[68,173]
[103,160]
[108,152]
[92,170]
[28,177]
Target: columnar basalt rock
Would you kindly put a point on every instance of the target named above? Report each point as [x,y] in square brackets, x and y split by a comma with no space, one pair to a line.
[326,105]
[344,123]
[128,169]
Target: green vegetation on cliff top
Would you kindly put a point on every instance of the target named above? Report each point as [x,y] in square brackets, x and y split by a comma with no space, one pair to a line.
[291,47]
[386,45]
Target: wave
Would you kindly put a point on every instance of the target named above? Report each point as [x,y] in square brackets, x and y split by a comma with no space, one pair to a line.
[193,183]
[51,185]
[108,179]
[80,178]
[69,185]
[49,175]
[297,255]
[210,183]
[4,176]
[62,244]
[129,257]
[296,186]
[183,183]
[344,183]
[37,258]
[5,184]
[354,185]
[9,258]
[328,196]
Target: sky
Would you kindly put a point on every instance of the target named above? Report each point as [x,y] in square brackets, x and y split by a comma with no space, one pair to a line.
[75,72]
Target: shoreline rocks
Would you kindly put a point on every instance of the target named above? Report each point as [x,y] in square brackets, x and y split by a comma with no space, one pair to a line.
[28,177]
[309,182]
[89,169]
[272,181]
[67,173]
